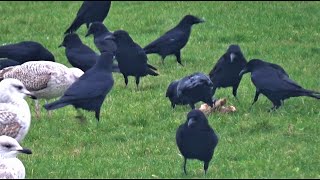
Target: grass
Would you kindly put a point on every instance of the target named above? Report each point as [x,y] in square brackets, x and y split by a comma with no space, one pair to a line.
[136,135]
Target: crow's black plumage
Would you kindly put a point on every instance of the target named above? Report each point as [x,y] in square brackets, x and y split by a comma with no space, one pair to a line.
[100,31]
[226,71]
[272,81]
[26,51]
[132,60]
[90,90]
[173,40]
[7,62]
[90,11]
[190,90]
[172,94]
[196,139]
[78,54]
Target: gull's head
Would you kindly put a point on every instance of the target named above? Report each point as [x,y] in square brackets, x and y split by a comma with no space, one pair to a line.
[14,88]
[10,148]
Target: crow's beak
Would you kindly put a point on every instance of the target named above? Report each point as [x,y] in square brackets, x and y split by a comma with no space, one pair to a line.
[245,70]
[232,56]
[88,34]
[190,122]
[109,37]
[201,21]
[60,45]
[25,151]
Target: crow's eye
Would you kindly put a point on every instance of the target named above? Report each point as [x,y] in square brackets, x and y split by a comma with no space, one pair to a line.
[7,146]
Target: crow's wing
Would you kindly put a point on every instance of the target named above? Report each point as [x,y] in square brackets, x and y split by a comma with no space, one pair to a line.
[192,81]
[268,78]
[89,87]
[169,40]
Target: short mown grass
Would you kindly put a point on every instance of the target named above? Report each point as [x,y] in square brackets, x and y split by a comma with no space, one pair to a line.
[136,135]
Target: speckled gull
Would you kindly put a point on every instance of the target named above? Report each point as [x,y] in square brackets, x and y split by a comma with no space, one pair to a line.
[15,116]
[45,79]
[10,166]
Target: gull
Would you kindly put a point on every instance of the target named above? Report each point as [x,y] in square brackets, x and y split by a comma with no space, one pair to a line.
[45,79]
[10,166]
[15,116]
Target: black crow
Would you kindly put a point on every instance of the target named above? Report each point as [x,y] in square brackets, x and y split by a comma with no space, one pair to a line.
[26,51]
[132,60]
[272,81]
[90,90]
[7,62]
[196,139]
[100,31]
[78,54]
[190,90]
[173,40]
[90,11]
[226,71]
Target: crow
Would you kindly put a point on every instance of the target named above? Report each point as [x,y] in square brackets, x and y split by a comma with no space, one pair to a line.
[7,63]
[90,90]
[190,90]
[225,72]
[132,60]
[26,51]
[272,81]
[80,55]
[90,11]
[173,40]
[196,139]
[100,31]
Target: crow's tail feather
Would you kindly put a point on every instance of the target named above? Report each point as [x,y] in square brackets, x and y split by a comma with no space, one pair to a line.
[151,72]
[55,105]
[74,26]
[151,67]
[4,52]
[311,93]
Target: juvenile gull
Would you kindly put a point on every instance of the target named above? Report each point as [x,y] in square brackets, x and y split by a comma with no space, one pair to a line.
[45,79]
[10,166]
[15,117]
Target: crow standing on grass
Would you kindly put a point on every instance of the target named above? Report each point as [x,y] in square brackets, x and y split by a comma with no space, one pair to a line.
[132,60]
[90,11]
[272,81]
[190,90]
[90,90]
[174,40]
[226,71]
[196,139]
[26,51]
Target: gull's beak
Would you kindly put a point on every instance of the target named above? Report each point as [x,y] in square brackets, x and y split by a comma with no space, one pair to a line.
[60,45]
[190,122]
[25,151]
[31,95]
[245,70]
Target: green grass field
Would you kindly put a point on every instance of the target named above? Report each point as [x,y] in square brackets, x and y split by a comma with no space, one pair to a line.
[135,137]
